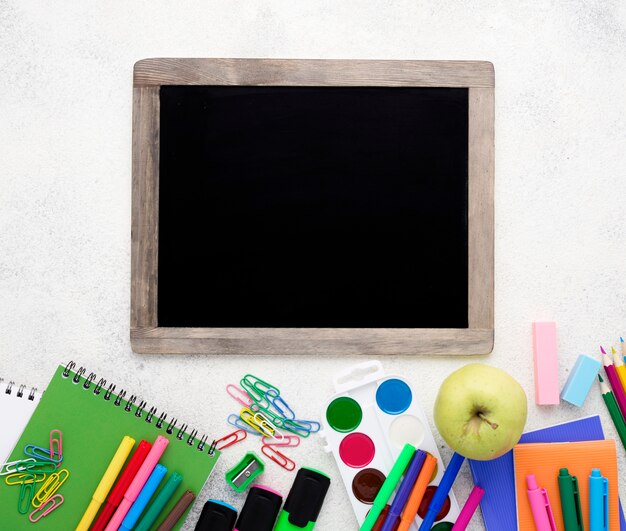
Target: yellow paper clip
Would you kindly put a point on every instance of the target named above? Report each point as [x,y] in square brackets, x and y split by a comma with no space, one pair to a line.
[56,445]
[249,417]
[26,497]
[46,508]
[50,486]
[18,478]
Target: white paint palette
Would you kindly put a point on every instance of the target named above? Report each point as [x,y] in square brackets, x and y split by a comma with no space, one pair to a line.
[366,425]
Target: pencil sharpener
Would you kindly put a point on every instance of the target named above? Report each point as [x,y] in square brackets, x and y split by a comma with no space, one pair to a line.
[245,472]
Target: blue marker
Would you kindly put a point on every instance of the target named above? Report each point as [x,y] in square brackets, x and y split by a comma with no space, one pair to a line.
[438,499]
[130,520]
[598,501]
[404,490]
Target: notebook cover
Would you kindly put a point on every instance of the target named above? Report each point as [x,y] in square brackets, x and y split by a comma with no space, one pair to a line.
[545,459]
[15,412]
[498,506]
[92,430]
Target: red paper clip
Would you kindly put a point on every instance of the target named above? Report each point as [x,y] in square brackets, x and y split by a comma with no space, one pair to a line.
[239,394]
[56,444]
[229,440]
[278,458]
[46,508]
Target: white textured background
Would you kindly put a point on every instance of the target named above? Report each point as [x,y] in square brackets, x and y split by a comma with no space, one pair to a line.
[65,180]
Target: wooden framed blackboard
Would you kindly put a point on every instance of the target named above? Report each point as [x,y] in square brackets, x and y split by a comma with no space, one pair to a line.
[312,206]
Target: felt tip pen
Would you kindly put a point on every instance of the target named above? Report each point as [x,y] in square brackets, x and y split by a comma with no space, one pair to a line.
[117,493]
[108,478]
[441,494]
[570,501]
[159,503]
[415,498]
[598,501]
[540,505]
[144,497]
[138,482]
[401,497]
[177,511]
[468,510]
[260,510]
[389,485]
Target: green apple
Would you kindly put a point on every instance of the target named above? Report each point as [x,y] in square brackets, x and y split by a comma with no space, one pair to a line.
[480,411]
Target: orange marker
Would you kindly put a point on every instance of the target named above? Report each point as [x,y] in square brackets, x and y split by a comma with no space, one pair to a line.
[415,498]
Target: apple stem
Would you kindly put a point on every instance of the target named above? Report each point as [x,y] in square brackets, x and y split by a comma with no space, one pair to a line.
[492,424]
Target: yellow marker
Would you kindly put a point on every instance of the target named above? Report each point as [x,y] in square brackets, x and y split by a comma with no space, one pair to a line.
[109,477]
[620,368]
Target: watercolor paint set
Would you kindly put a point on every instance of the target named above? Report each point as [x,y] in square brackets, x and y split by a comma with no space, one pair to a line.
[366,424]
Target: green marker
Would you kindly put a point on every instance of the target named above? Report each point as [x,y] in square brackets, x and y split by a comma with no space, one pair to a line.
[570,501]
[388,487]
[159,502]
[304,501]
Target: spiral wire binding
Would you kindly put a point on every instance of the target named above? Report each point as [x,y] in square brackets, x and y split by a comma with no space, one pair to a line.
[19,392]
[150,413]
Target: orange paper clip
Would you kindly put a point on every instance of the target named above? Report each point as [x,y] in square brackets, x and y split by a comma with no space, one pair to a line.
[46,508]
[279,458]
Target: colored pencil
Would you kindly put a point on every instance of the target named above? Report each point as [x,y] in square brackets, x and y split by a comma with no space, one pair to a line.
[616,385]
[611,405]
[620,368]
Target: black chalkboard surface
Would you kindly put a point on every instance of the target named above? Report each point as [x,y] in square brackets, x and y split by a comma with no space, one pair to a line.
[313,207]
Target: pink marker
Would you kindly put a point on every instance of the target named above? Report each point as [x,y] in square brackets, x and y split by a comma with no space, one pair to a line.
[138,482]
[468,510]
[540,505]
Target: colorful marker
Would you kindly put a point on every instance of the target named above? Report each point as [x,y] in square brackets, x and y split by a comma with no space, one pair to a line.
[616,385]
[217,516]
[144,497]
[570,501]
[260,510]
[103,488]
[468,510]
[404,490]
[177,511]
[122,484]
[611,405]
[388,487]
[598,501]
[304,501]
[540,505]
[441,494]
[415,498]
[138,482]
[159,502]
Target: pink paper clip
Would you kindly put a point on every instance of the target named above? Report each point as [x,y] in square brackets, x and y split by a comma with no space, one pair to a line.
[229,440]
[46,508]
[239,394]
[56,444]
[279,458]
[286,441]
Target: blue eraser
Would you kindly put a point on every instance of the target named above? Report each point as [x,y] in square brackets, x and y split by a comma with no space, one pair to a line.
[580,380]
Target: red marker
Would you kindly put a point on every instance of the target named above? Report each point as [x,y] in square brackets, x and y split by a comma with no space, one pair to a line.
[127,476]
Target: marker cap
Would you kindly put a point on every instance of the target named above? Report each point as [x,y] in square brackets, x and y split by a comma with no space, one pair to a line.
[260,510]
[305,500]
[216,516]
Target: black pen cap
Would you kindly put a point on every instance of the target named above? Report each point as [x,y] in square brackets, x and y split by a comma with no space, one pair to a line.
[217,516]
[306,496]
[260,510]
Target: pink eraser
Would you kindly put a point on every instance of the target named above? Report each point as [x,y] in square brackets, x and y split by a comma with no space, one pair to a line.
[546,363]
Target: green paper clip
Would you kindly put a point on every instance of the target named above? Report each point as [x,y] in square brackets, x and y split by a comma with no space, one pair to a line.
[27,491]
[245,472]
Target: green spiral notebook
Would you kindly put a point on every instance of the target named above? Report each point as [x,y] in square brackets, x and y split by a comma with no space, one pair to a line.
[93,421]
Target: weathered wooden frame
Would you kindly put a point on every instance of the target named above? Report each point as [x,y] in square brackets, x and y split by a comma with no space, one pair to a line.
[150,74]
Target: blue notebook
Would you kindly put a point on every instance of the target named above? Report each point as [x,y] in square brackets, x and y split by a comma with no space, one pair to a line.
[497,477]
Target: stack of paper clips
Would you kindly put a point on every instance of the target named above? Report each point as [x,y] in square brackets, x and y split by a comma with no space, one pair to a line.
[266,414]
[39,477]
